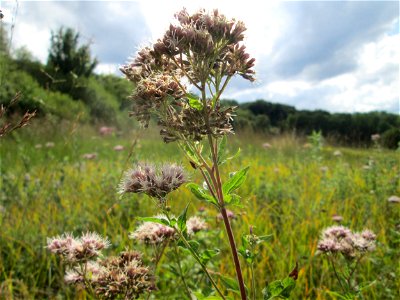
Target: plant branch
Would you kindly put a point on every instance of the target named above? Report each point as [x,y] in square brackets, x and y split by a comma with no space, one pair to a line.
[178,258]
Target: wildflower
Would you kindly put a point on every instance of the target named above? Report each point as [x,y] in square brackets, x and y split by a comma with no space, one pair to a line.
[324,169]
[73,249]
[123,275]
[375,137]
[50,145]
[60,244]
[337,153]
[195,224]
[104,130]
[38,146]
[229,213]
[158,71]
[328,245]
[145,178]
[73,277]
[394,199]
[339,239]
[336,232]
[337,218]
[153,233]
[118,148]
[89,156]
[267,146]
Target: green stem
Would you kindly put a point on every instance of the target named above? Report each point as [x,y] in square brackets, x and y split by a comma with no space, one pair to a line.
[336,274]
[253,281]
[196,257]
[218,189]
[178,261]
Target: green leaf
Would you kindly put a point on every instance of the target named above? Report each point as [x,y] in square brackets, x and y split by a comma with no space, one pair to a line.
[201,194]
[194,102]
[233,199]
[279,289]
[200,296]
[265,238]
[190,153]
[231,157]
[182,219]
[230,283]
[235,181]
[192,243]
[159,220]
[209,254]
[221,149]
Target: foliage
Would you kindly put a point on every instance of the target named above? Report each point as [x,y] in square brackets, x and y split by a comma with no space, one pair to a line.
[391,138]
[46,191]
[68,61]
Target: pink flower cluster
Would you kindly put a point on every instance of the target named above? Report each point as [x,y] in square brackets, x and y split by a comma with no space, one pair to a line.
[339,239]
[73,249]
[153,233]
[153,181]
[156,233]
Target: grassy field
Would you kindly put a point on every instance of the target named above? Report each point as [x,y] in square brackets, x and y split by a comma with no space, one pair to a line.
[290,193]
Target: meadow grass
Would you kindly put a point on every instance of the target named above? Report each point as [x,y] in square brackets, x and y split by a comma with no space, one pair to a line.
[289,193]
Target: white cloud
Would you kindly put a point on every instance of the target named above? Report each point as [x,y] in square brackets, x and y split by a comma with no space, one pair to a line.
[303,57]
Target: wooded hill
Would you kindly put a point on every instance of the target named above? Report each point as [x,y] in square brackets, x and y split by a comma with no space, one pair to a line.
[66,87]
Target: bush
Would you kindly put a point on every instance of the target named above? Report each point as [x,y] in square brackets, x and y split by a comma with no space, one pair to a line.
[391,138]
[101,104]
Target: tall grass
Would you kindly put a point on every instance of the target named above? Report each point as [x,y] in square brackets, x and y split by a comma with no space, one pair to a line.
[47,191]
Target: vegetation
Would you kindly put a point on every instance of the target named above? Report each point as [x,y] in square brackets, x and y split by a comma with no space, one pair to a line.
[289,193]
[311,222]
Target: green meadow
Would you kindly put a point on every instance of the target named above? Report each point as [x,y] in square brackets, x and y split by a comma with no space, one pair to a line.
[48,186]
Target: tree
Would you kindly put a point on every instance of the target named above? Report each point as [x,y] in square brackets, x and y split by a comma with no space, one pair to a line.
[68,61]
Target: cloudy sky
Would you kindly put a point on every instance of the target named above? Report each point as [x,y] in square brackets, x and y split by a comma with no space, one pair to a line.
[340,56]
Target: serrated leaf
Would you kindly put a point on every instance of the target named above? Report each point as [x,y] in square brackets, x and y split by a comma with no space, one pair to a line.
[194,102]
[154,220]
[235,181]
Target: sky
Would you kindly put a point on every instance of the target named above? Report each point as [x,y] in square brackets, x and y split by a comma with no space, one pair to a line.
[339,56]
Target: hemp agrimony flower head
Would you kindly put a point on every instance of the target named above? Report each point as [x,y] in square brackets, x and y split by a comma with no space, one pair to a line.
[153,233]
[339,239]
[203,49]
[153,181]
[195,224]
[88,246]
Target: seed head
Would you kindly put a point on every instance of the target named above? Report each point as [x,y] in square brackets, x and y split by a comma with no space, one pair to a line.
[123,275]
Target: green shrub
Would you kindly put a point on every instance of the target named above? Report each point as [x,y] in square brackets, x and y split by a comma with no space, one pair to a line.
[391,138]
[101,104]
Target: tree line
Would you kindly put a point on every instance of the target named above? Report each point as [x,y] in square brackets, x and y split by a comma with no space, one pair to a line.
[66,87]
